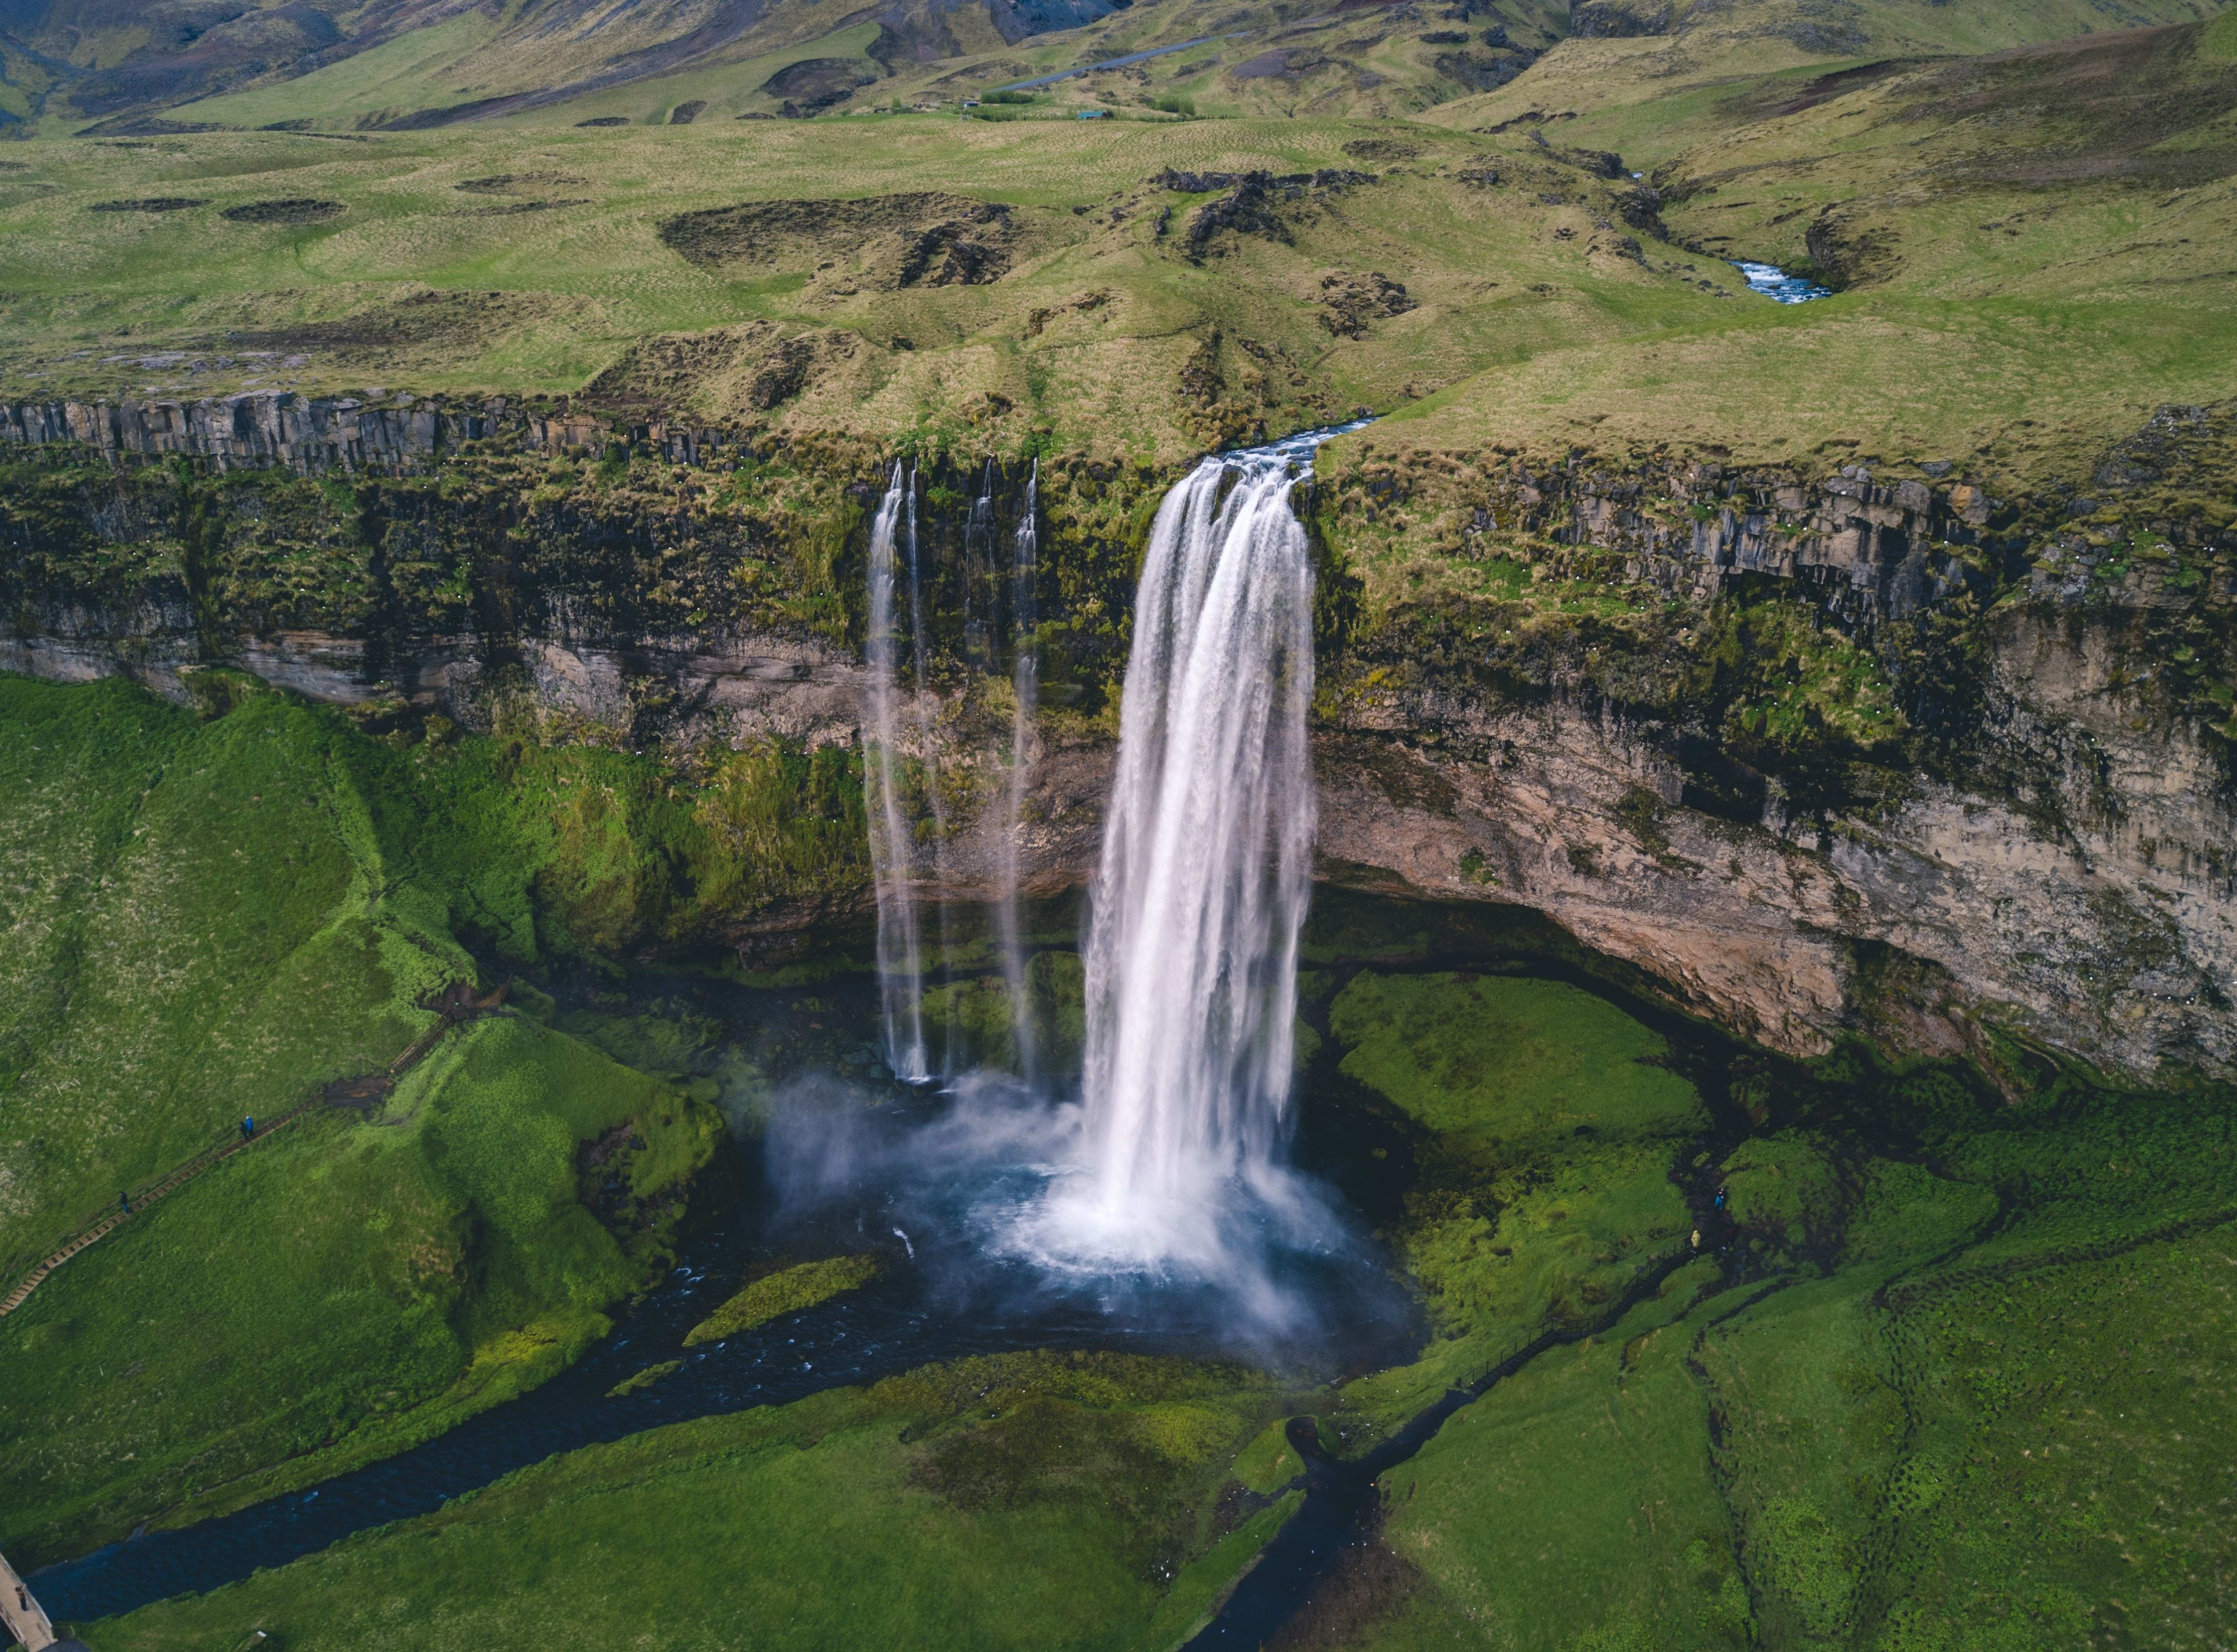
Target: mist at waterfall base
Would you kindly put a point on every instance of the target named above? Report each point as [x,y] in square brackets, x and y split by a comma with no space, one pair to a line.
[1153,1180]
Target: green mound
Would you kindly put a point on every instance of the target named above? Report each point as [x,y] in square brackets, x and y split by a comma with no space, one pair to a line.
[783,1292]
[1545,1190]
[1035,1502]
[1500,1067]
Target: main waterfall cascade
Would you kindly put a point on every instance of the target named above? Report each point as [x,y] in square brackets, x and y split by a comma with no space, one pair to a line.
[1192,944]
[1167,1163]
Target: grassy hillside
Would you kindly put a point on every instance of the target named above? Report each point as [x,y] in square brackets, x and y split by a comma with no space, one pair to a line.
[2025,245]
[2028,246]
[214,916]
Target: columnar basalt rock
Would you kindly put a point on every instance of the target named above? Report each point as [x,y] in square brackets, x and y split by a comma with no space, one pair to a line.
[315,435]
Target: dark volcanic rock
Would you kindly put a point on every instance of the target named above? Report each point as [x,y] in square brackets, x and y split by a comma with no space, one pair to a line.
[153,203]
[814,83]
[1349,302]
[293,209]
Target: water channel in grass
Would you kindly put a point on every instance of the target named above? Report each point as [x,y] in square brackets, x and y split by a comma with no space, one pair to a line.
[1776,284]
[943,1296]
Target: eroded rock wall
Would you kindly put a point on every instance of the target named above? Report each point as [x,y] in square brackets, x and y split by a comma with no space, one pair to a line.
[2052,869]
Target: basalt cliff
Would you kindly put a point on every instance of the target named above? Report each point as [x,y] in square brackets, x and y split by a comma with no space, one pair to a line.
[1868,751]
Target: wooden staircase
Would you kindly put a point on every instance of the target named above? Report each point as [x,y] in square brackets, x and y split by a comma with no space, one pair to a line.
[141,1198]
[456,1003]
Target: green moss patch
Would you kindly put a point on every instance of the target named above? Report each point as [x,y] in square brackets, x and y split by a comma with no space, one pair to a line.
[1784,1193]
[644,1378]
[1499,1066]
[787,1291]
[1545,1186]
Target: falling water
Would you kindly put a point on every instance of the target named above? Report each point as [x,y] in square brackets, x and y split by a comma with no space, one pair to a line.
[982,583]
[1026,683]
[1192,943]
[892,848]
[928,754]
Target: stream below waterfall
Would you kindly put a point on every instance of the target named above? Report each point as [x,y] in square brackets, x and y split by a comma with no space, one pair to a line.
[940,1299]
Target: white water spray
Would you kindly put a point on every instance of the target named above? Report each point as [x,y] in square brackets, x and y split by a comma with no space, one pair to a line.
[1192,944]
[892,846]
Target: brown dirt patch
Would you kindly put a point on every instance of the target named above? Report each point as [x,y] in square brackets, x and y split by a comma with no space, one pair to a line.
[451,322]
[506,183]
[886,242]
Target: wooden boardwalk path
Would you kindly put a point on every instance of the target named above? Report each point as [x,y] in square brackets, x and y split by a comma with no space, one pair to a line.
[21,1613]
[456,1003]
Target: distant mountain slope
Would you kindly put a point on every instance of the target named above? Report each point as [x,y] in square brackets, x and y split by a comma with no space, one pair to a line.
[118,66]
[1639,55]
[106,58]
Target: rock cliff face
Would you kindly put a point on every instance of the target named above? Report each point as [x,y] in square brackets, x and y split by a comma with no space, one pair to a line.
[1936,928]
[2030,849]
[315,435]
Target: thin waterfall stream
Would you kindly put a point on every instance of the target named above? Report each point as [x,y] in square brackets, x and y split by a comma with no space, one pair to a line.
[892,857]
[926,705]
[1025,688]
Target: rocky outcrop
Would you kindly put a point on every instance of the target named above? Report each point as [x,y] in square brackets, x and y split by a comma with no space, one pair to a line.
[1948,925]
[313,435]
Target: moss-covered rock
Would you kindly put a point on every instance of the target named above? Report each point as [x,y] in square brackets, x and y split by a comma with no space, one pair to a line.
[788,1291]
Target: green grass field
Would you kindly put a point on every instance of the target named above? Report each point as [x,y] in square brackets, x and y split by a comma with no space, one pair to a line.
[1989,1415]
[1035,1502]
[1985,320]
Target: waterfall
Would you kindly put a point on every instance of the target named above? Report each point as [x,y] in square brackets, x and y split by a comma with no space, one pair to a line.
[982,584]
[1197,906]
[928,754]
[892,844]
[1025,682]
